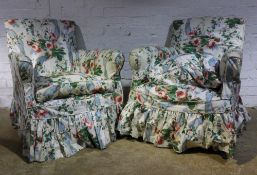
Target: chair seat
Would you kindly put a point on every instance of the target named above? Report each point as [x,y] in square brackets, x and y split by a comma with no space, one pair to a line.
[69,85]
[181,98]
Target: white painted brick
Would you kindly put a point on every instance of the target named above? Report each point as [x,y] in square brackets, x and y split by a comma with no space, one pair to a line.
[42,4]
[3,84]
[5,76]
[180,12]
[2,29]
[6,92]
[249,100]
[126,11]
[247,90]
[81,12]
[17,4]
[9,83]
[126,74]
[126,66]
[5,101]
[68,3]
[4,54]
[249,82]
[24,13]
[5,67]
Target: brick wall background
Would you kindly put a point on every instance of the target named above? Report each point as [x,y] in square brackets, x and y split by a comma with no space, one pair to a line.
[126,24]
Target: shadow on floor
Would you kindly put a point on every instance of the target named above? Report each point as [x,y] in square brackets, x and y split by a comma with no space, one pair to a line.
[246,148]
[8,135]
[14,146]
[126,90]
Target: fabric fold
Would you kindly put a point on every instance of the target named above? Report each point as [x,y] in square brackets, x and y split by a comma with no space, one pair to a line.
[182,130]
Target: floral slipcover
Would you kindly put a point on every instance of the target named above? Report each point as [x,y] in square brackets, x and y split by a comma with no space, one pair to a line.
[64,99]
[187,95]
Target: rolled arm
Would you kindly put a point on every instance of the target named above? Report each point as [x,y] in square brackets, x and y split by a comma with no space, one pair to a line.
[106,63]
[230,68]
[22,75]
[24,66]
[23,92]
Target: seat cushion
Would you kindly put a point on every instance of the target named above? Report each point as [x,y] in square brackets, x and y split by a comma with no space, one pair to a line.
[68,85]
[181,98]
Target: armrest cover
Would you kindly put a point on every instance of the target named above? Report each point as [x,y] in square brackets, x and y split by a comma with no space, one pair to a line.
[23,87]
[106,63]
[230,68]
[24,65]
[22,74]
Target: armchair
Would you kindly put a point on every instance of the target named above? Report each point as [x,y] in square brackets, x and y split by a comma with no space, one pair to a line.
[187,95]
[64,99]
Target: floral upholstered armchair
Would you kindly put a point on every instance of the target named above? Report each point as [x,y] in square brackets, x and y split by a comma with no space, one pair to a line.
[187,95]
[64,99]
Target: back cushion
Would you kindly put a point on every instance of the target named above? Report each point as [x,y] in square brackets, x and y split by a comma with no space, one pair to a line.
[208,35]
[48,43]
[106,63]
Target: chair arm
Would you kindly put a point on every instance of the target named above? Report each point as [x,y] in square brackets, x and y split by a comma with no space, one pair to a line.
[23,88]
[24,65]
[230,68]
[106,63]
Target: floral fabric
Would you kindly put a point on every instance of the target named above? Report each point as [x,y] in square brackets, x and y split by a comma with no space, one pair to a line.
[211,38]
[49,43]
[104,63]
[208,35]
[59,107]
[187,95]
[182,98]
[74,85]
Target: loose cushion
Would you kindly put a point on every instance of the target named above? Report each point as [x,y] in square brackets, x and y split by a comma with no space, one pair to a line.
[72,85]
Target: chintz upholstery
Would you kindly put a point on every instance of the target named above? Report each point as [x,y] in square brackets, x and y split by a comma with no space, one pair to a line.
[65,99]
[187,95]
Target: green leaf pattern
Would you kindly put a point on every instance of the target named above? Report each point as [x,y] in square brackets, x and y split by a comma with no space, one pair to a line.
[178,97]
[59,108]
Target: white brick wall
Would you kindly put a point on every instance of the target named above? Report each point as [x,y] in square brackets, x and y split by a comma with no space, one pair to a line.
[126,24]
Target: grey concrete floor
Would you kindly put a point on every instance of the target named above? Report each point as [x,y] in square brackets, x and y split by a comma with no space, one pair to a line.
[127,156]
